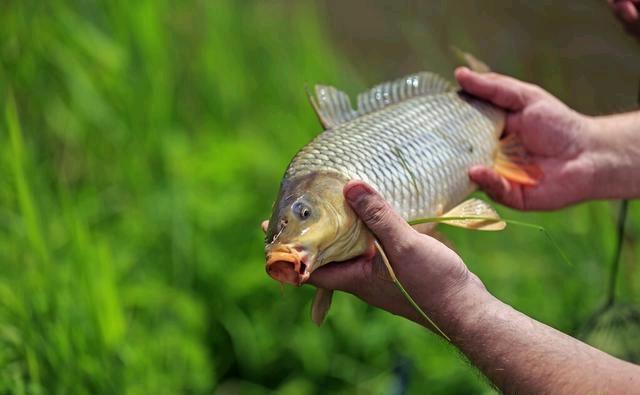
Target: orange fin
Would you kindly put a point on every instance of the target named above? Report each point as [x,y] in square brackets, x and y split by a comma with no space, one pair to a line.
[513,163]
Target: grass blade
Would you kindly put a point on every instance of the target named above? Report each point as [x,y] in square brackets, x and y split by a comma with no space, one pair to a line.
[509,221]
[405,293]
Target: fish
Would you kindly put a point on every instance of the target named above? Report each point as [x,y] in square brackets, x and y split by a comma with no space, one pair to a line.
[413,139]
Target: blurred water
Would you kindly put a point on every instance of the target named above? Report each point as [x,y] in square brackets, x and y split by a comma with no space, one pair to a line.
[575,49]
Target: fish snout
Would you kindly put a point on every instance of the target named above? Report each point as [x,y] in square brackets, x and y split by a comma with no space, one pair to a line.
[287,265]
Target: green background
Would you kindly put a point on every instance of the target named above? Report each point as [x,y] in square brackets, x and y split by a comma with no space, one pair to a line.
[142,142]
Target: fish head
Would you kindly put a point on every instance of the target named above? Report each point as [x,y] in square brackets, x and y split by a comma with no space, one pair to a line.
[312,225]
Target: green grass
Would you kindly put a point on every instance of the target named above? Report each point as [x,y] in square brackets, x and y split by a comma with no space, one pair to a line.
[141,143]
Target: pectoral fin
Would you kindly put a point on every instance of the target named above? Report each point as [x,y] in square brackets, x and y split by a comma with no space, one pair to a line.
[486,218]
[321,304]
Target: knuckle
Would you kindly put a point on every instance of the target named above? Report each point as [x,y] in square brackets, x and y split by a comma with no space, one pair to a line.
[376,215]
[516,98]
[534,91]
[492,75]
[537,90]
[457,273]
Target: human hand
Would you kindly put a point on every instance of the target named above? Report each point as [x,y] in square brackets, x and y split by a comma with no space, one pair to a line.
[628,13]
[554,136]
[430,272]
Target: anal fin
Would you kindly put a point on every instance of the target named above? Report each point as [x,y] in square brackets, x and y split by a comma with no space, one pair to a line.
[486,218]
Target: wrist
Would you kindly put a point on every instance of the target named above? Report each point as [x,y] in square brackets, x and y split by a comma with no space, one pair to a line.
[461,308]
[614,154]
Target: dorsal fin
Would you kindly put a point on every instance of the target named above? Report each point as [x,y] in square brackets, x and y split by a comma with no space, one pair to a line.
[419,84]
[331,105]
[474,63]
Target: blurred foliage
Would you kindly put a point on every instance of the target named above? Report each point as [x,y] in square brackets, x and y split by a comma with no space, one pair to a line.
[141,144]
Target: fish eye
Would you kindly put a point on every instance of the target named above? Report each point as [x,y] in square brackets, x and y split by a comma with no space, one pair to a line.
[301,210]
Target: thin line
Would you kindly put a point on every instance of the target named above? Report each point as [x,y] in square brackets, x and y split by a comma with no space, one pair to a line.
[405,165]
[565,258]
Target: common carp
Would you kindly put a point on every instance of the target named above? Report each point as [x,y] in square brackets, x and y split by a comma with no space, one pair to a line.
[414,140]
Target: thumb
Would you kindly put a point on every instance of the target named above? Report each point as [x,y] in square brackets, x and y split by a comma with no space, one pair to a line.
[388,227]
[501,90]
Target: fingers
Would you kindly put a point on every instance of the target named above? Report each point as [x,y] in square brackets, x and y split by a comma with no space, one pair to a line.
[625,10]
[497,187]
[264,225]
[388,227]
[499,89]
[341,276]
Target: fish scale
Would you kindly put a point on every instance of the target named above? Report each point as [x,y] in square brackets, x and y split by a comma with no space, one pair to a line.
[439,137]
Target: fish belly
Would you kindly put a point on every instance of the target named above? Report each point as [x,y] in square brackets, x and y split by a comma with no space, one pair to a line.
[416,153]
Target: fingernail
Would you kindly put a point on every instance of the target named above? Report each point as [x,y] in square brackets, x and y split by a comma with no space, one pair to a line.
[356,193]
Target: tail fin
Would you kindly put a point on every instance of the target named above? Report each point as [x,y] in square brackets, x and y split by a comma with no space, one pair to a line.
[513,163]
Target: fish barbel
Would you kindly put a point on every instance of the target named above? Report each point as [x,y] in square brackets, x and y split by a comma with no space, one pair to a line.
[414,140]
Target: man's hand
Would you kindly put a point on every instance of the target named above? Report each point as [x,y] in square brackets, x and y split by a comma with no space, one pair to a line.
[554,136]
[628,13]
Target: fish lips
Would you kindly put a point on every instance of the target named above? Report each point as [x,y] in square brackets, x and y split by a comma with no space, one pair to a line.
[288,264]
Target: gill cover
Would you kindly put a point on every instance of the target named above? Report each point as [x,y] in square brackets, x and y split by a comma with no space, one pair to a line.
[311,225]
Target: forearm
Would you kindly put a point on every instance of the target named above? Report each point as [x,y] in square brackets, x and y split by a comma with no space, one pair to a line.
[615,155]
[521,355]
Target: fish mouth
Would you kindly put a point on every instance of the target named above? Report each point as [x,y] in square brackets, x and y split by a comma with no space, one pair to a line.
[288,265]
